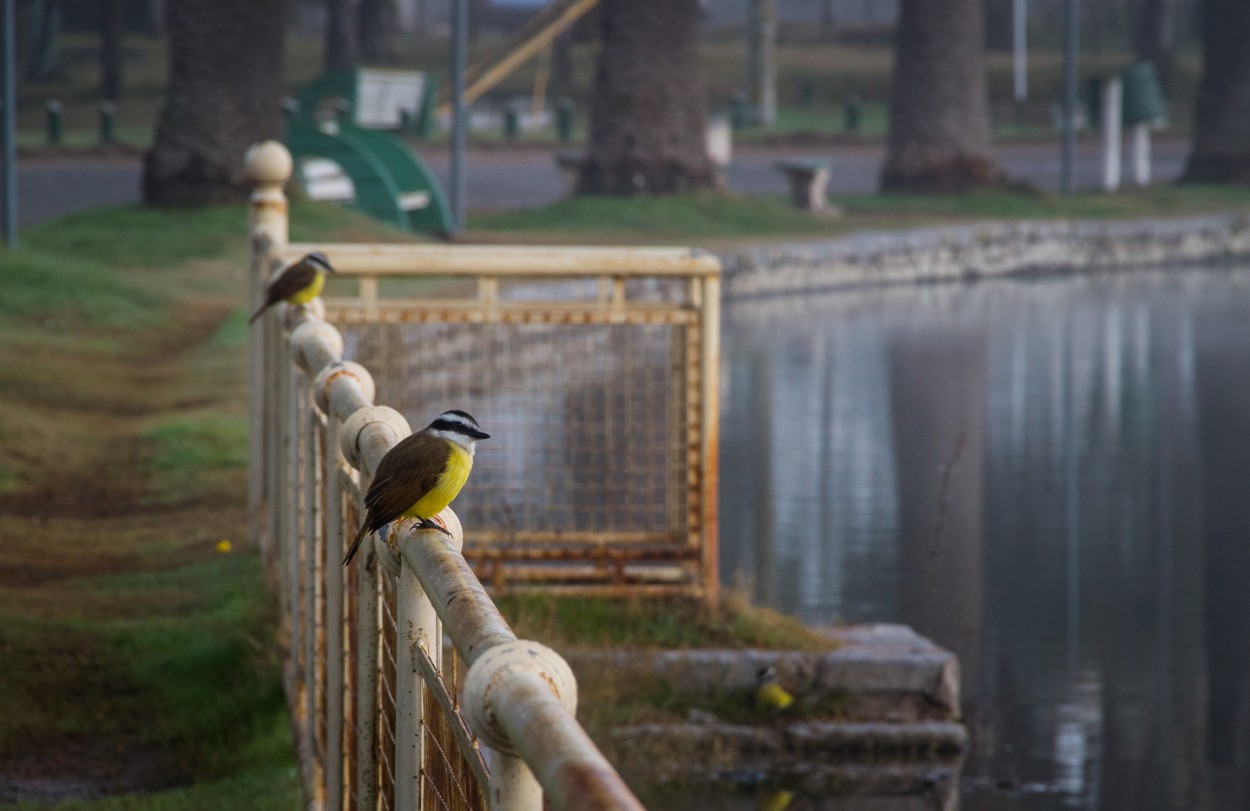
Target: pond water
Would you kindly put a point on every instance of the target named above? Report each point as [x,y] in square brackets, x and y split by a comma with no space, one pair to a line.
[1049,477]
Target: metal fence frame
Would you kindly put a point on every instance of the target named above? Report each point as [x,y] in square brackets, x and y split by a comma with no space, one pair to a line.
[682,559]
[374,704]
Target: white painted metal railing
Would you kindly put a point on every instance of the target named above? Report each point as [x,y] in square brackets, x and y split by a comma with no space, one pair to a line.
[375,701]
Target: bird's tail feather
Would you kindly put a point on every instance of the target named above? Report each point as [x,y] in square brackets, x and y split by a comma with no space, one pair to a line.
[360,536]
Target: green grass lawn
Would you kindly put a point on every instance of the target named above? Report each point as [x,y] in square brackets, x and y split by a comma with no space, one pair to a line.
[138,655]
[719,219]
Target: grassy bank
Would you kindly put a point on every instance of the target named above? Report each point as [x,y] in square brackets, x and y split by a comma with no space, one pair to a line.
[139,650]
[714,219]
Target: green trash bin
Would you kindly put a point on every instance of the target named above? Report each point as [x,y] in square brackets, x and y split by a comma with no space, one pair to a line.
[1143,95]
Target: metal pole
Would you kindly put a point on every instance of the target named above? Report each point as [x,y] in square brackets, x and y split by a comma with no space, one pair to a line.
[1020,49]
[459,47]
[1068,158]
[8,104]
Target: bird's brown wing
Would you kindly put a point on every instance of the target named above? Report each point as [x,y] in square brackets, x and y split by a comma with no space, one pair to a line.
[408,471]
[292,280]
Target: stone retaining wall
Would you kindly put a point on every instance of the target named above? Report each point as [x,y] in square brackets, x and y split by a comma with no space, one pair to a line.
[988,249]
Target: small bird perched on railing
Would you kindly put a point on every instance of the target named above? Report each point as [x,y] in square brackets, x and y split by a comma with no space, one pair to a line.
[300,283]
[421,475]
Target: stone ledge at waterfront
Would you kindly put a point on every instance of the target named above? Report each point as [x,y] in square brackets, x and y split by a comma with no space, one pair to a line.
[969,252]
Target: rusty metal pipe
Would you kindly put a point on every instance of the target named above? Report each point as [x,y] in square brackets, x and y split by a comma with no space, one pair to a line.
[568,765]
[469,615]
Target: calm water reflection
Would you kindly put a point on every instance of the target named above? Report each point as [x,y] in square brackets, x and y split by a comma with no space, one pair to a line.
[1051,478]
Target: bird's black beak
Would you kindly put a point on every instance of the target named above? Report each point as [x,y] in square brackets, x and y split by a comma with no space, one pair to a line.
[476,434]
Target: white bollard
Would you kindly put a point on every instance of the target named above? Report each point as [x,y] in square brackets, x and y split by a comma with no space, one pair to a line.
[1109,117]
[1140,139]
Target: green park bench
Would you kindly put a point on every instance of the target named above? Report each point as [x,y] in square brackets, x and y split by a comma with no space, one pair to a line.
[336,132]
[376,173]
[809,181]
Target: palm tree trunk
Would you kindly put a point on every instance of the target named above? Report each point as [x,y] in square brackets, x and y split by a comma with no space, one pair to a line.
[225,84]
[647,116]
[939,121]
[1221,150]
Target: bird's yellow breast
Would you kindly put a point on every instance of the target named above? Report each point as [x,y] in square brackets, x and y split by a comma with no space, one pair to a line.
[772,694]
[310,292]
[453,477]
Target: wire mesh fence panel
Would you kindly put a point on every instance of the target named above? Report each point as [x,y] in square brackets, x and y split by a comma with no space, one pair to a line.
[591,479]
[453,774]
[385,741]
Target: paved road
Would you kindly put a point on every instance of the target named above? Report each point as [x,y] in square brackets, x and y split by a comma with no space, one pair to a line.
[52,188]
[507,179]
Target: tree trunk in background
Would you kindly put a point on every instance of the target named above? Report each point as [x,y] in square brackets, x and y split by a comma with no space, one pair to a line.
[1221,148]
[112,36]
[826,20]
[341,51]
[376,21]
[562,66]
[155,18]
[647,116]
[999,25]
[225,85]
[939,124]
[1155,35]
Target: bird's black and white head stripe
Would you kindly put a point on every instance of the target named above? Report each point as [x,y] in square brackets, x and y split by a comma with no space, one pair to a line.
[318,260]
[458,426]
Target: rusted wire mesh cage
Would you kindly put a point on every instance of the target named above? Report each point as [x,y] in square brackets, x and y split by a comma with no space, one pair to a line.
[594,385]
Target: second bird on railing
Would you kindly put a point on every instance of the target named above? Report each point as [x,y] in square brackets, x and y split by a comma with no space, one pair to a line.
[300,283]
[421,475]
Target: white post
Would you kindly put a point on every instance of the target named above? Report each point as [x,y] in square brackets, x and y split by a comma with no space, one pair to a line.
[1140,139]
[311,543]
[417,629]
[366,564]
[289,499]
[269,166]
[334,617]
[1020,50]
[513,786]
[1109,117]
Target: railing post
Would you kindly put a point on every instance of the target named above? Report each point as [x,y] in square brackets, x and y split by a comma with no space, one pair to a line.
[709,438]
[269,167]
[310,466]
[367,675]
[417,628]
[513,786]
[289,497]
[334,616]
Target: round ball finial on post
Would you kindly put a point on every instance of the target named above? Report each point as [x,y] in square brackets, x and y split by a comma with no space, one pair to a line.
[269,163]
